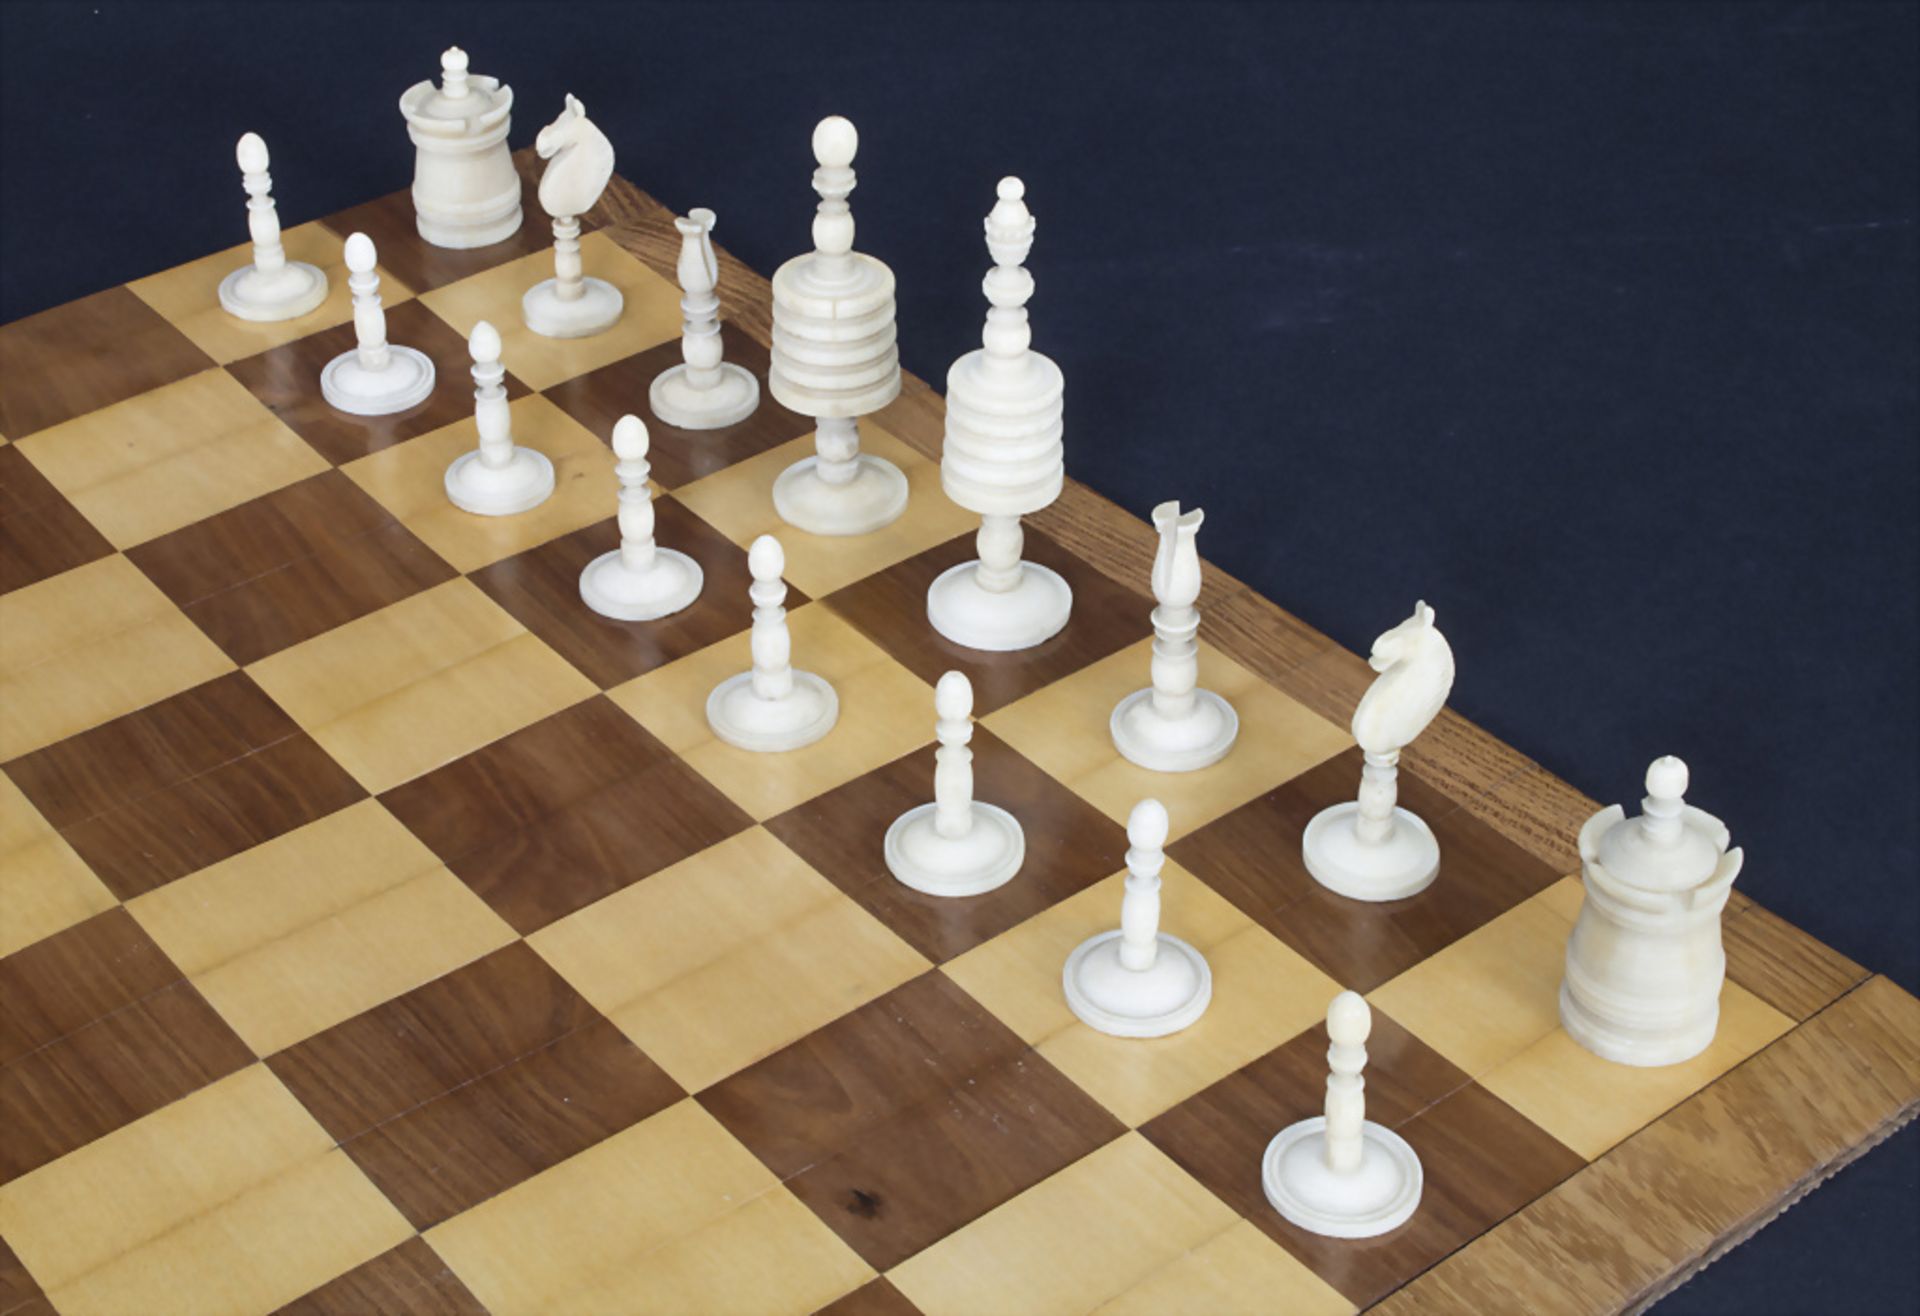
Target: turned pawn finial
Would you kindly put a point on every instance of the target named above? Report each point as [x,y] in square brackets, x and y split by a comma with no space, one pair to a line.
[1349,1022]
[953,761]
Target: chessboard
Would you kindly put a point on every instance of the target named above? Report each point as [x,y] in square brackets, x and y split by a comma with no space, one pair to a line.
[383,931]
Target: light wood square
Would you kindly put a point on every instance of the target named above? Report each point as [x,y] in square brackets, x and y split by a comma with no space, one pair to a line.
[313,927]
[739,502]
[726,957]
[651,315]
[409,480]
[1241,1272]
[403,690]
[671,1215]
[234,1195]
[88,645]
[885,711]
[44,886]
[1064,728]
[1263,993]
[168,458]
[189,295]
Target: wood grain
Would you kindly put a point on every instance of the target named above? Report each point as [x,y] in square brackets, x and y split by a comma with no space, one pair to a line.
[41,533]
[410,1280]
[86,355]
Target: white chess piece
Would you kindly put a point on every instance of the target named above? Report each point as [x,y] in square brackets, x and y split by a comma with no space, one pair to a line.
[571,304]
[1371,849]
[466,192]
[1340,1175]
[956,846]
[1002,457]
[1174,726]
[376,378]
[499,478]
[638,581]
[272,287]
[1644,964]
[774,707]
[704,392]
[835,359]
[1139,981]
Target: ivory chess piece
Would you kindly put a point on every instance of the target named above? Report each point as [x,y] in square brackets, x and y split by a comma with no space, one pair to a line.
[1139,981]
[956,846]
[376,378]
[498,478]
[835,358]
[1174,726]
[271,287]
[638,581]
[466,192]
[1644,964]
[571,304]
[1341,1175]
[1001,456]
[704,392]
[773,707]
[1372,849]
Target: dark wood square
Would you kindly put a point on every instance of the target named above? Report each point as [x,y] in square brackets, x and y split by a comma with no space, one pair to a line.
[409,1280]
[1252,856]
[287,566]
[287,380]
[541,588]
[558,814]
[41,533]
[98,1028]
[1482,1159]
[902,1121]
[86,355]
[465,1087]
[891,608]
[600,397]
[183,783]
[877,1297]
[20,1295]
[1070,846]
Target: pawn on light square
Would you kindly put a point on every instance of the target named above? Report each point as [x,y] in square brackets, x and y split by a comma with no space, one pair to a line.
[270,287]
[774,707]
[499,478]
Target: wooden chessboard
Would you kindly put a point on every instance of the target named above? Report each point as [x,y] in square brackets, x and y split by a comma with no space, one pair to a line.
[383,931]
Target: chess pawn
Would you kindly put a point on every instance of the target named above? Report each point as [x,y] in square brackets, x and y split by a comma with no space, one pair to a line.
[957,845]
[466,192]
[1371,849]
[376,378]
[835,359]
[1173,726]
[572,304]
[499,478]
[1139,981]
[1644,964]
[703,393]
[272,287]
[1341,1175]
[774,707]
[638,581]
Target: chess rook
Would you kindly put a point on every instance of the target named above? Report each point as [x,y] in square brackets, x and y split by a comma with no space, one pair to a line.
[1001,456]
[957,845]
[1339,1174]
[271,287]
[466,192]
[834,358]
[638,581]
[1174,726]
[571,304]
[376,378]
[499,478]
[704,392]
[773,707]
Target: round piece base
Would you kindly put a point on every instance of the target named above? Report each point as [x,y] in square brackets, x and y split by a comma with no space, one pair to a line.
[519,486]
[728,401]
[596,309]
[875,496]
[999,621]
[466,236]
[1186,744]
[1374,1198]
[612,589]
[1640,1048]
[986,857]
[1108,996]
[404,384]
[293,290]
[772,726]
[1402,865]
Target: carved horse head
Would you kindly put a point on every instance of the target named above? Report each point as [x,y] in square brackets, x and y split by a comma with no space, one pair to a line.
[580,161]
[1416,666]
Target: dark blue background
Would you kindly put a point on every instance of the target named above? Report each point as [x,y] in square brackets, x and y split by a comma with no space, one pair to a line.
[1595,326]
